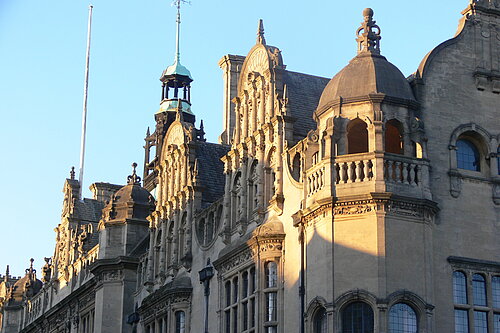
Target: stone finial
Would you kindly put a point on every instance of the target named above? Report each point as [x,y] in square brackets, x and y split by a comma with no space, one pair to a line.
[260,33]
[133,179]
[7,272]
[72,173]
[30,271]
[368,34]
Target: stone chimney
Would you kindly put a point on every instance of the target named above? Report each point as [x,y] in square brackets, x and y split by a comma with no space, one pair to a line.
[231,68]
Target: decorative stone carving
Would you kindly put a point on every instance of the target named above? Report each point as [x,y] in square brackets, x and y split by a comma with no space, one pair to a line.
[455,186]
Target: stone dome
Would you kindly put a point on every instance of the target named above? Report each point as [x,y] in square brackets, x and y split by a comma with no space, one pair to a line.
[130,201]
[367,73]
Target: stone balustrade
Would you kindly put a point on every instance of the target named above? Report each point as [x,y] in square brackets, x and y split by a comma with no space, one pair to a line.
[364,173]
[315,179]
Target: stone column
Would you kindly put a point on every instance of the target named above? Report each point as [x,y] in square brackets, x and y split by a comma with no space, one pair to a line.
[244,189]
[237,137]
[279,157]
[245,116]
[150,268]
[163,246]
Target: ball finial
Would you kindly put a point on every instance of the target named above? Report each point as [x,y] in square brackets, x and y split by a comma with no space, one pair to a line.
[368,12]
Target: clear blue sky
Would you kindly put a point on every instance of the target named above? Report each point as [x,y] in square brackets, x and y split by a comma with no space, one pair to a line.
[42,57]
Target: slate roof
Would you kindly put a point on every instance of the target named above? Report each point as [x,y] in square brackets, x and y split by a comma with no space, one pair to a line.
[303,92]
[367,74]
[88,210]
[211,170]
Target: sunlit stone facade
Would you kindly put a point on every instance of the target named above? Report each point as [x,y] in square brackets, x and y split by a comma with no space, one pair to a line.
[368,202]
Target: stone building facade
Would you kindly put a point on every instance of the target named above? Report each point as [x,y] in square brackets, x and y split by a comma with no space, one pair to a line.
[368,202]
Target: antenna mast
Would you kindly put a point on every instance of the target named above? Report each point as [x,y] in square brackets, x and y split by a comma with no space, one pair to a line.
[85,95]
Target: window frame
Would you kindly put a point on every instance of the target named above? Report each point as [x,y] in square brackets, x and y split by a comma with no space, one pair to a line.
[471,307]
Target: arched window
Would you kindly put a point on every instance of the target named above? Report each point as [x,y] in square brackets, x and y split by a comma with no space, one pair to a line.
[357,137]
[180,322]
[320,321]
[459,288]
[271,274]
[479,290]
[402,319]
[296,167]
[393,137]
[357,317]
[467,155]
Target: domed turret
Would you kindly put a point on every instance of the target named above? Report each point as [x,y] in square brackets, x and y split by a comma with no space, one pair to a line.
[368,73]
[132,201]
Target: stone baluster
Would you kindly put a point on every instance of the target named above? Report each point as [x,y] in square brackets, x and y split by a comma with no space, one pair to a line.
[405,173]
[359,171]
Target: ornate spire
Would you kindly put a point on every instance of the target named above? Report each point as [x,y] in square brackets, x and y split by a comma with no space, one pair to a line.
[260,33]
[368,34]
[72,173]
[7,272]
[133,179]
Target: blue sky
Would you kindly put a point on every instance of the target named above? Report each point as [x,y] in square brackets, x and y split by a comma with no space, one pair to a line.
[42,58]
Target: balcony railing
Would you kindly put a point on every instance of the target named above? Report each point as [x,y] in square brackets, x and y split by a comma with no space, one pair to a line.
[370,172]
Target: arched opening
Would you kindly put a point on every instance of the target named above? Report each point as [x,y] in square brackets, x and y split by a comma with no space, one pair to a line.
[394,137]
[357,137]
[320,321]
[296,167]
[467,155]
[357,317]
[402,319]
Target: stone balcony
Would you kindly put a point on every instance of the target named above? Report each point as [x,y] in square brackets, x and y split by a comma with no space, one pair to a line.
[364,173]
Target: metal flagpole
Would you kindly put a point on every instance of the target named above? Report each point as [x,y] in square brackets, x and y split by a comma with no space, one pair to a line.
[85,95]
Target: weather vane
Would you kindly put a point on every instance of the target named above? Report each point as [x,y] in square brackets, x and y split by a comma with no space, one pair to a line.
[177,3]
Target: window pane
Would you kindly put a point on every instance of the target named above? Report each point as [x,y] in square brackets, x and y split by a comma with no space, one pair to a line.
[495,291]
[496,322]
[228,321]
[252,280]
[467,155]
[402,319]
[459,288]
[480,322]
[228,293]
[479,289]
[245,285]
[245,316]
[235,290]
[461,321]
[271,274]
[271,303]
[235,320]
[357,317]
[180,322]
[320,321]
[252,313]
